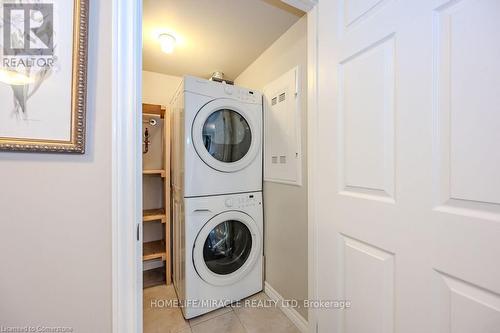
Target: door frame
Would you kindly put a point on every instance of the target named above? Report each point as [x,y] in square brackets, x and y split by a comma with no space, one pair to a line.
[312,126]
[126,219]
[126,163]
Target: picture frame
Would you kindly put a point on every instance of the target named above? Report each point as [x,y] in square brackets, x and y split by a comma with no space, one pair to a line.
[46,111]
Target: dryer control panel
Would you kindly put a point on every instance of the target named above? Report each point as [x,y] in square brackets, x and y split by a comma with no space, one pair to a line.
[243,202]
[221,90]
[241,94]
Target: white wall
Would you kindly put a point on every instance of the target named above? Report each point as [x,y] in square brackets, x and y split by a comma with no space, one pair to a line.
[159,88]
[285,206]
[55,216]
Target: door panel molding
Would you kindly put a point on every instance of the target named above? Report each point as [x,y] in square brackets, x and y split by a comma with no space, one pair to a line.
[366,140]
[470,308]
[466,169]
[356,11]
[367,276]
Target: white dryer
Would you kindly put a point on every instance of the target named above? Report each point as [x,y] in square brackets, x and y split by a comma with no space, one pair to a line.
[219,251]
[217,138]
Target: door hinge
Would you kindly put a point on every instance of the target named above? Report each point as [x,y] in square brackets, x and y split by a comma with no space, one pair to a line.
[138,232]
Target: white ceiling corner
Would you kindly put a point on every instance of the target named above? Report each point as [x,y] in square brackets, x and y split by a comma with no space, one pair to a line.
[213,35]
[304,5]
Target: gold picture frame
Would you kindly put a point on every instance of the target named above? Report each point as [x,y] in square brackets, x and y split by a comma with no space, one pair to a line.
[76,143]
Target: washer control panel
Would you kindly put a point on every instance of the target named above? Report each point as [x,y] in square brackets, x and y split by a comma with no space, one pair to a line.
[242,201]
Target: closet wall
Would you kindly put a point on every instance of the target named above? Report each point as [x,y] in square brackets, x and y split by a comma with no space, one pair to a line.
[285,206]
[159,88]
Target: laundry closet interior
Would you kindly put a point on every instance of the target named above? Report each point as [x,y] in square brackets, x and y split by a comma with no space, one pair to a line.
[224,123]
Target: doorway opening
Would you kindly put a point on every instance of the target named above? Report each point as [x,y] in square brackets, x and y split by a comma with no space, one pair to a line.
[210,73]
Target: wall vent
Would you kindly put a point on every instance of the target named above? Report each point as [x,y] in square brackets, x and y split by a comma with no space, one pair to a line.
[282,97]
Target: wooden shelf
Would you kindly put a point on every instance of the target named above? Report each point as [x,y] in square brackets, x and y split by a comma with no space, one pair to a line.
[154,173]
[154,250]
[152,109]
[150,215]
[154,277]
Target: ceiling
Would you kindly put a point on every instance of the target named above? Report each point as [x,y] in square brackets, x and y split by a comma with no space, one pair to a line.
[212,35]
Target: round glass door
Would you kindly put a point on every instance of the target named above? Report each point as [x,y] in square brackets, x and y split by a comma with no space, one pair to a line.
[224,135]
[227,136]
[226,247]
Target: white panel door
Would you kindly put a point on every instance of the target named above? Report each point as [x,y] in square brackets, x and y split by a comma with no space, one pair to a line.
[407,166]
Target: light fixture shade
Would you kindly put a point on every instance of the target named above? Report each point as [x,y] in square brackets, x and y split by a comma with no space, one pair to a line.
[167,43]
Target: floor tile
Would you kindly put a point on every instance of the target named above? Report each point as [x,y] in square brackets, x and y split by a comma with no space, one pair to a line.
[162,292]
[162,317]
[226,323]
[164,320]
[210,315]
[182,330]
[167,318]
[264,319]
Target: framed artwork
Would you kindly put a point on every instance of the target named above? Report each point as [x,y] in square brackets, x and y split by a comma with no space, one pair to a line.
[43,75]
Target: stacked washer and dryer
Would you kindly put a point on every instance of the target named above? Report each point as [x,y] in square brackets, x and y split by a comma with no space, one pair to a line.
[217,194]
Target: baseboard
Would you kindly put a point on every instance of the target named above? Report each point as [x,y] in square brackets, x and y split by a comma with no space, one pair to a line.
[291,313]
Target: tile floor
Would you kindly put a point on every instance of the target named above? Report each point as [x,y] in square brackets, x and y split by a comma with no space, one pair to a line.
[226,320]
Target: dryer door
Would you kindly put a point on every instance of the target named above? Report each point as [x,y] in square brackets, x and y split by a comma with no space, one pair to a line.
[225,136]
[226,248]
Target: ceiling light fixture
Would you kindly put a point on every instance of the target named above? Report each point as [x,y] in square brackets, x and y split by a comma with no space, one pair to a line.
[167,43]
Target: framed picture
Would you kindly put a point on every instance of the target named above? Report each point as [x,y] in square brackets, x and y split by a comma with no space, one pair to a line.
[43,75]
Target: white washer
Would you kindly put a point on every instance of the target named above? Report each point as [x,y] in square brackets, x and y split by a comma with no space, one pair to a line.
[219,251]
[217,133]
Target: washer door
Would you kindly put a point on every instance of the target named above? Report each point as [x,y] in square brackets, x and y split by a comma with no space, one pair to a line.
[224,135]
[226,248]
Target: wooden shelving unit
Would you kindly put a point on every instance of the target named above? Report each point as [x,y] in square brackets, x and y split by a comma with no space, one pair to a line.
[160,249]
[160,173]
[154,109]
[150,215]
[153,277]
[154,250]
